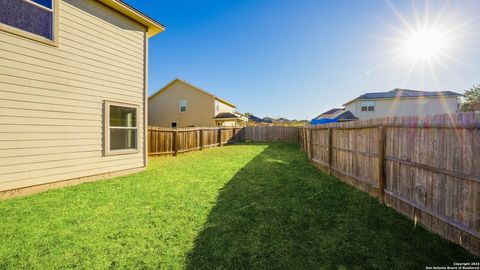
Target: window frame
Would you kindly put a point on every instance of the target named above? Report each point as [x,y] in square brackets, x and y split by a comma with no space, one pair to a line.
[25,34]
[106,135]
[180,106]
[176,124]
[367,106]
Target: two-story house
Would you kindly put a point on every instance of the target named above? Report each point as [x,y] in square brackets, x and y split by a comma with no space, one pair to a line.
[73,92]
[181,104]
[402,102]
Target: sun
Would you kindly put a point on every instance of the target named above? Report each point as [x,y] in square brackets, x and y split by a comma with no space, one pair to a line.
[425,45]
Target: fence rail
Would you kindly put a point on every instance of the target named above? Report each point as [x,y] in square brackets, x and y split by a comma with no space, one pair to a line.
[427,168]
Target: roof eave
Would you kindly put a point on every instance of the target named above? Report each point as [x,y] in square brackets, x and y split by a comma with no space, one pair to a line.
[226,102]
[364,99]
[153,27]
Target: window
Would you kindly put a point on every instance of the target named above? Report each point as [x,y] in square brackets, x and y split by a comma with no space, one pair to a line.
[35,19]
[368,106]
[174,124]
[182,104]
[121,128]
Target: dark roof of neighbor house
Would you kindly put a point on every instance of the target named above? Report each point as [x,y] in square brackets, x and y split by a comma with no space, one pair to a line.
[334,110]
[347,115]
[337,113]
[256,119]
[405,93]
[226,115]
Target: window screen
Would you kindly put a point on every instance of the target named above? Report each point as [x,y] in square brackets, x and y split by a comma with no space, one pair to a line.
[35,17]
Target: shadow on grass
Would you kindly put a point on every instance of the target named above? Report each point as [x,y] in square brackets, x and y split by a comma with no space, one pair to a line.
[279,212]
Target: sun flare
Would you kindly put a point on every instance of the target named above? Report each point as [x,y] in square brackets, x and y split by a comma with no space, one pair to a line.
[425,44]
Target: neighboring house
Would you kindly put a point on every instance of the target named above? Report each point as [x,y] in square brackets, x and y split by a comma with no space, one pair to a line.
[73,92]
[333,116]
[400,102]
[181,104]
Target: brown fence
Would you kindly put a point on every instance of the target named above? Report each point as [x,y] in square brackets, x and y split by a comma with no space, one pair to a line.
[271,134]
[168,141]
[427,168]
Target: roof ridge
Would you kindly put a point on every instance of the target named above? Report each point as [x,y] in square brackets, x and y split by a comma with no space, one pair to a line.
[194,86]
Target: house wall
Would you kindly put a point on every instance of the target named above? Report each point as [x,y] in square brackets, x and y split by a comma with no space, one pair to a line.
[222,107]
[163,108]
[51,98]
[402,107]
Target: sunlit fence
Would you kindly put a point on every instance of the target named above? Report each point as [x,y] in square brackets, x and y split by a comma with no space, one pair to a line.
[427,168]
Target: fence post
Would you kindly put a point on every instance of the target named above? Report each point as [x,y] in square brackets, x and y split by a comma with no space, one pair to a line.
[381,164]
[175,142]
[310,147]
[330,152]
[303,138]
[219,137]
[201,139]
[234,135]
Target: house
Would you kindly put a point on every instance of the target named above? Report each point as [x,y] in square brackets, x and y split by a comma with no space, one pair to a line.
[333,116]
[400,102]
[181,104]
[73,92]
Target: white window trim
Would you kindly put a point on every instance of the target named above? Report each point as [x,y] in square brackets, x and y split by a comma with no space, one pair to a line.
[19,32]
[107,151]
[367,104]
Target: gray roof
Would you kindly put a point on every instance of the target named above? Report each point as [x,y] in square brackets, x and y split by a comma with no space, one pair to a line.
[406,93]
[334,110]
[341,114]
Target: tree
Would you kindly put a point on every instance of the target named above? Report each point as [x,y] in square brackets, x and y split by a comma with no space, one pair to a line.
[470,96]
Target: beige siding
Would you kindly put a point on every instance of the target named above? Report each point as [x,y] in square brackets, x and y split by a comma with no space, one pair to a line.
[222,107]
[405,107]
[163,108]
[51,98]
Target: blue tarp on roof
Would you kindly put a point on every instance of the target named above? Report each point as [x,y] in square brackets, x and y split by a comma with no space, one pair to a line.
[323,121]
[333,116]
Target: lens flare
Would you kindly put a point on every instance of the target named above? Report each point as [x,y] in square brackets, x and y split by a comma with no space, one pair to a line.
[425,45]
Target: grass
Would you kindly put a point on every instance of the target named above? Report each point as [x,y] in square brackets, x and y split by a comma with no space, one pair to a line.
[250,206]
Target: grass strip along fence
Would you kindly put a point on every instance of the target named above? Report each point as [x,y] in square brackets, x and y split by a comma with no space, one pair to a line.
[171,141]
[427,168]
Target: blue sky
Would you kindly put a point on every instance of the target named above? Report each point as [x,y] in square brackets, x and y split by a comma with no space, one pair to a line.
[296,59]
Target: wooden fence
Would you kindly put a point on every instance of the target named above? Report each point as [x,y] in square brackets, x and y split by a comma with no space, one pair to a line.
[271,134]
[427,168]
[169,141]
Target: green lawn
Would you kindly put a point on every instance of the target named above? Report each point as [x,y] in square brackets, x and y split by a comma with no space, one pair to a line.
[249,206]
